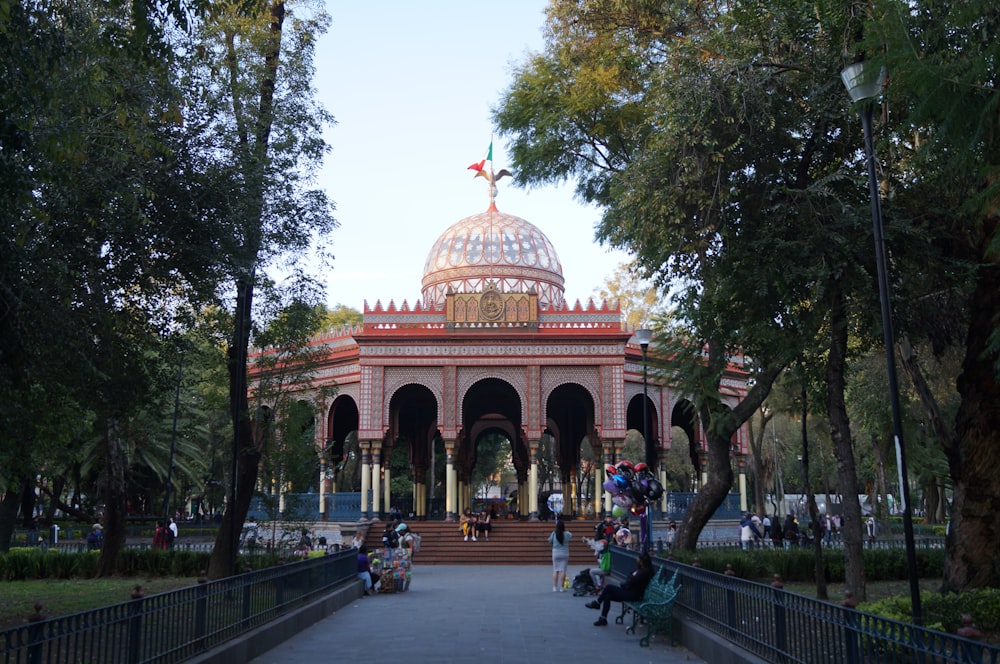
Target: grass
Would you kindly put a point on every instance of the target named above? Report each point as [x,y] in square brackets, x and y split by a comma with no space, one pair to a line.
[65,596]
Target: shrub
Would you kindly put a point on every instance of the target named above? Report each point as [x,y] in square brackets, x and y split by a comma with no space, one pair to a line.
[797,565]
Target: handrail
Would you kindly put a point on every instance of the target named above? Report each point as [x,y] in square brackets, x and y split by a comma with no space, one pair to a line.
[176,625]
[781,626]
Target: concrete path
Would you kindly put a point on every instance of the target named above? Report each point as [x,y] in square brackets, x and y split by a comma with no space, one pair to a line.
[468,614]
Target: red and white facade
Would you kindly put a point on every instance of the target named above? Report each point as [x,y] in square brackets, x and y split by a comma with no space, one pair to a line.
[493,347]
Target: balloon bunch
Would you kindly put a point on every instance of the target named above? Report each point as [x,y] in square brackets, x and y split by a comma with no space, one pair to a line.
[632,487]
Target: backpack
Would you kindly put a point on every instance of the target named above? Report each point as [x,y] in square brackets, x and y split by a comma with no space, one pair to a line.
[583,584]
[390,539]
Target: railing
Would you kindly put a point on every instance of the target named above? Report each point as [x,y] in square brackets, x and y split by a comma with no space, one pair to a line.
[780,626]
[176,625]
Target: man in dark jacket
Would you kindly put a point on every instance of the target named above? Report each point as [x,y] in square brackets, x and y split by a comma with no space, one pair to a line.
[631,590]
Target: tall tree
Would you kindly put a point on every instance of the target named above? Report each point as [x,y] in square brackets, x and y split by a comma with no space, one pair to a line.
[704,130]
[940,153]
[250,71]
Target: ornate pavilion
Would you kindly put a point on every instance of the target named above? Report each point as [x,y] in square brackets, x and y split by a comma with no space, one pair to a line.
[493,347]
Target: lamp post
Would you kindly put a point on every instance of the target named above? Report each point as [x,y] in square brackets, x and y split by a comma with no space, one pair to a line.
[644,336]
[864,84]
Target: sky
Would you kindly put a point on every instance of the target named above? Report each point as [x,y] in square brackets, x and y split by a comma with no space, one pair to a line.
[411,85]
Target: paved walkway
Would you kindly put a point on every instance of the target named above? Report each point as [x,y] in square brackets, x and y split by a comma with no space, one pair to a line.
[468,614]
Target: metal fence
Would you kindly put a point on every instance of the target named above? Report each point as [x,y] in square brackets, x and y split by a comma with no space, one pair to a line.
[177,625]
[785,627]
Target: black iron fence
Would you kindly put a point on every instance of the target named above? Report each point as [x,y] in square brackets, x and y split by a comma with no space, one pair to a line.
[177,625]
[780,626]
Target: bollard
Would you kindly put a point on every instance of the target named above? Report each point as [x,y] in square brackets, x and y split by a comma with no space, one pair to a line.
[135,626]
[780,618]
[851,636]
[35,635]
[970,651]
[201,610]
[729,570]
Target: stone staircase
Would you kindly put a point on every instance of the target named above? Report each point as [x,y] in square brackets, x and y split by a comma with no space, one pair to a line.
[511,543]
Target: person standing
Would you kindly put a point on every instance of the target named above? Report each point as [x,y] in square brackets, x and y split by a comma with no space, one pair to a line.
[630,591]
[160,536]
[365,568]
[791,531]
[559,539]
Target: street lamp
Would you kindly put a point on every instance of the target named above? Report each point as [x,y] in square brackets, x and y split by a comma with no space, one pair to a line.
[644,336]
[864,83]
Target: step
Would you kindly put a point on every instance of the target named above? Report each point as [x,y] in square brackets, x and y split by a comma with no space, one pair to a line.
[510,543]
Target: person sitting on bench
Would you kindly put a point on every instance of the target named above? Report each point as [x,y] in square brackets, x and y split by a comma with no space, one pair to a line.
[630,591]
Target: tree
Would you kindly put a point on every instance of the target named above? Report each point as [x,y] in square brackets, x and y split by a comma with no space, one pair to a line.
[639,302]
[941,159]
[249,71]
[96,235]
[705,133]
[285,401]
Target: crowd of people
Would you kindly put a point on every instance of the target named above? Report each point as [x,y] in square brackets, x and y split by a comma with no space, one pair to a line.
[757,531]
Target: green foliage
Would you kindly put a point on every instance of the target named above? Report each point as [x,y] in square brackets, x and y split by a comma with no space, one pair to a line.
[944,611]
[33,563]
[797,565]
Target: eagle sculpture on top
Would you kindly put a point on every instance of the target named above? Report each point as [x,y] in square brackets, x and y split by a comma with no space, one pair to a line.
[488,175]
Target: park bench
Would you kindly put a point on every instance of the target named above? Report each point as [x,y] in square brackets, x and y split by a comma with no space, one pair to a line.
[656,607]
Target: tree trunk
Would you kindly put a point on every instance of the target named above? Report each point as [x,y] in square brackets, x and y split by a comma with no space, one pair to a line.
[852,528]
[971,561]
[245,452]
[710,496]
[63,506]
[8,517]
[757,462]
[817,533]
[116,500]
[720,424]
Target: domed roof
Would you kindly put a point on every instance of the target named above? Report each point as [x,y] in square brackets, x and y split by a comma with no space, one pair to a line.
[497,247]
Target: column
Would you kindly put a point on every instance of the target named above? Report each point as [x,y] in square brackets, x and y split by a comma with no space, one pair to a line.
[608,448]
[322,488]
[598,487]
[386,488]
[376,481]
[533,480]
[703,462]
[742,461]
[663,480]
[571,503]
[451,484]
[366,478]
[419,500]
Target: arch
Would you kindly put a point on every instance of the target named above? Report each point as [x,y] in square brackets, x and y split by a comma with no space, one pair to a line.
[398,378]
[413,417]
[685,418]
[489,403]
[513,377]
[587,378]
[633,420]
[570,411]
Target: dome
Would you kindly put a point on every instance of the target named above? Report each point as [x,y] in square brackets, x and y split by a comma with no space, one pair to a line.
[493,247]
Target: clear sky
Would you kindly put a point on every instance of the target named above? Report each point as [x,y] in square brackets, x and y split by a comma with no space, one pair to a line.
[411,85]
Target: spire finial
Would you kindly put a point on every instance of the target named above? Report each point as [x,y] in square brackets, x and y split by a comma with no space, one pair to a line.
[490,177]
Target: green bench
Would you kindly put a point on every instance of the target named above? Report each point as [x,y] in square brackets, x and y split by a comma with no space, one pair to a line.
[656,607]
